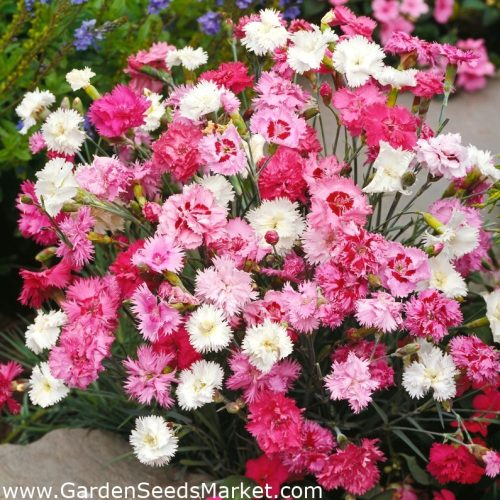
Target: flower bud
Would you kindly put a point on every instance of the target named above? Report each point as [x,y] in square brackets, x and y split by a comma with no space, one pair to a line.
[407,350]
[46,254]
[325,91]
[272,237]
[26,199]
[409,179]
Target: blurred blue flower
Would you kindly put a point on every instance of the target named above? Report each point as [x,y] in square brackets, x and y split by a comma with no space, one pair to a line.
[156,6]
[210,23]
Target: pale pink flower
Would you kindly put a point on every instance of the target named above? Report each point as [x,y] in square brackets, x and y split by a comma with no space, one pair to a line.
[107,178]
[279,126]
[492,460]
[351,380]
[472,75]
[414,8]
[192,217]
[160,254]
[37,143]
[225,286]
[150,377]
[443,9]
[253,382]
[385,10]
[156,318]
[443,155]
[381,311]
[223,153]
[77,248]
[302,306]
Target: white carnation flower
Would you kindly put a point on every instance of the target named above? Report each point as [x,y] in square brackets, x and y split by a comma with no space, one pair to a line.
[358,59]
[187,57]
[44,331]
[266,344]
[484,162]
[308,48]
[62,132]
[79,78]
[208,329]
[434,370]
[396,78]
[198,384]
[154,113]
[390,166]
[264,36]
[56,185]
[33,105]
[457,236]
[220,187]
[153,441]
[445,278]
[202,99]
[280,215]
[45,390]
[493,312]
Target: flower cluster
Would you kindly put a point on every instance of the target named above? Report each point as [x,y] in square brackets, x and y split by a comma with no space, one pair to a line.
[216,248]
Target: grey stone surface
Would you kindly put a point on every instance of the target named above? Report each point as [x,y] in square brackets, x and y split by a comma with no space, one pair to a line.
[85,458]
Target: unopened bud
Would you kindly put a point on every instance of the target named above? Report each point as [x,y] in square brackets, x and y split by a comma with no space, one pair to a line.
[407,350]
[26,199]
[218,397]
[310,113]
[46,254]
[325,91]
[328,18]
[78,105]
[342,440]
[70,207]
[409,179]
[65,103]
[99,238]
[374,281]
[433,222]
[447,405]
[272,237]
[233,407]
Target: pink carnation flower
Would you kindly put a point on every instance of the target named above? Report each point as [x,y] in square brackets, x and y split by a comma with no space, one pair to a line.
[318,168]
[351,380]
[385,10]
[278,126]
[192,217]
[337,202]
[253,382]
[353,468]
[223,153]
[302,306]
[472,75]
[232,75]
[381,311]
[443,9]
[492,460]
[225,286]
[37,143]
[430,314]
[268,473]
[403,268]
[159,254]
[107,178]
[414,8]
[443,155]
[281,176]
[352,25]
[157,319]
[150,377]
[115,113]
[8,373]
[379,367]
[77,248]
[275,422]
[479,360]
[177,150]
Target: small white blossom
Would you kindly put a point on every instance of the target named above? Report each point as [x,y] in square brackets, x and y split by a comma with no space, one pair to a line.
[79,78]
[155,111]
[198,384]
[208,329]
[62,132]
[358,59]
[457,236]
[220,187]
[483,161]
[493,312]
[266,344]
[202,99]
[433,370]
[280,215]
[308,48]
[396,78]
[445,278]
[56,185]
[45,390]
[264,36]
[187,57]
[153,441]
[390,166]
[44,331]
[32,106]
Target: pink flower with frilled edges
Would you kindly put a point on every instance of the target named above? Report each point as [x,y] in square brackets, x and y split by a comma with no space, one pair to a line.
[302,306]
[274,91]
[232,75]
[160,254]
[380,311]
[472,75]
[150,377]
[351,380]
[352,25]
[8,373]
[115,113]
[192,217]
[443,9]
[156,318]
[492,460]
[223,153]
